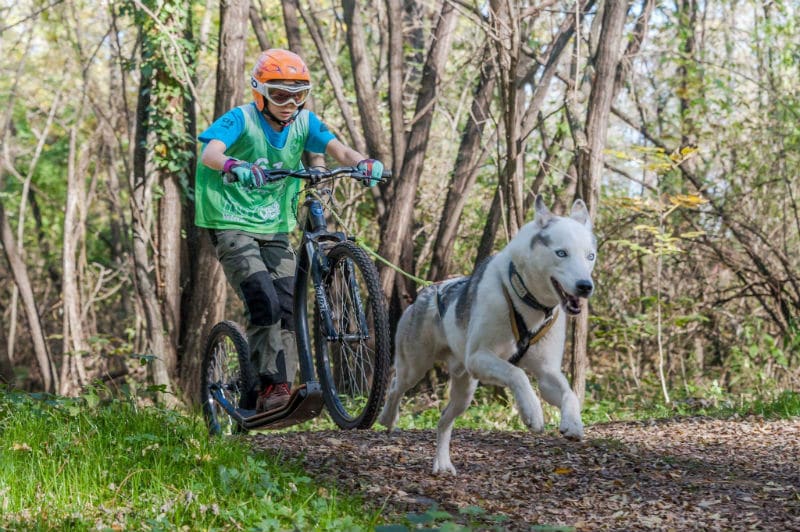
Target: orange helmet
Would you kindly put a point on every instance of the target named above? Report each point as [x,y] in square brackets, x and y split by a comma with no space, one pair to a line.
[276,67]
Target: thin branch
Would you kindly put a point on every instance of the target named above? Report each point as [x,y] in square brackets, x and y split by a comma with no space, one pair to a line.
[32,15]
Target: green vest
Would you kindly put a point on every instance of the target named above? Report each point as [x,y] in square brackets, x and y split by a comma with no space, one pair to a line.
[265,210]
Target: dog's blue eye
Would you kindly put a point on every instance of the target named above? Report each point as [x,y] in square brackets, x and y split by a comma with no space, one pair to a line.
[591,256]
[561,253]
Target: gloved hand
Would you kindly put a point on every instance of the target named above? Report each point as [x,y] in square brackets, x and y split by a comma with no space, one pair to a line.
[249,175]
[373,170]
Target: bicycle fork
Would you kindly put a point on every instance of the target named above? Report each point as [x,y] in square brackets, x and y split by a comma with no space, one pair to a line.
[353,313]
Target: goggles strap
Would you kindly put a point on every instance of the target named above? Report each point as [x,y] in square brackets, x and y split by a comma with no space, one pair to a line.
[283,123]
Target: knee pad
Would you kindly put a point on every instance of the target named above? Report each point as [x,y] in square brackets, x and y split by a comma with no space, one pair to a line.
[285,290]
[261,300]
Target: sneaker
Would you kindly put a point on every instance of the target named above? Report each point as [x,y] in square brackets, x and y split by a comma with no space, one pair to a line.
[272,397]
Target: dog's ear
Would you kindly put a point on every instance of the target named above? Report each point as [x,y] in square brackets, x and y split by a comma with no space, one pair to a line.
[543,214]
[580,213]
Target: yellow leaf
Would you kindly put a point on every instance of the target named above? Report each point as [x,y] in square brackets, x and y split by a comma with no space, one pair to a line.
[563,471]
[687,200]
[648,228]
[649,149]
[161,149]
[618,154]
[655,167]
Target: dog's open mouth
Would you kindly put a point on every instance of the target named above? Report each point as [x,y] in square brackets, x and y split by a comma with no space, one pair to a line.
[572,304]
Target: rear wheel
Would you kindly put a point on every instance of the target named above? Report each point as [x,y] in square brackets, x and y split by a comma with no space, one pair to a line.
[226,367]
[351,337]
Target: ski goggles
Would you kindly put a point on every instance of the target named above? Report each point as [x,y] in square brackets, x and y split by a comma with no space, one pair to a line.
[281,94]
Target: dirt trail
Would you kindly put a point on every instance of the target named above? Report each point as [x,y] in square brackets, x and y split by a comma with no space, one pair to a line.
[680,474]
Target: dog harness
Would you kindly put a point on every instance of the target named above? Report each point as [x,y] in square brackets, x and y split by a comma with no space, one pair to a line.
[529,337]
[525,337]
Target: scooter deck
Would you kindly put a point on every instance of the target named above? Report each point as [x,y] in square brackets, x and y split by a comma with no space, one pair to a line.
[305,403]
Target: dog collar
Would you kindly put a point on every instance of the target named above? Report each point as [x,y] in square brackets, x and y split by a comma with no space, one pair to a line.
[522,292]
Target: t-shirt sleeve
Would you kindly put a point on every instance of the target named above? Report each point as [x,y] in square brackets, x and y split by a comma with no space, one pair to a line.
[318,135]
[226,129]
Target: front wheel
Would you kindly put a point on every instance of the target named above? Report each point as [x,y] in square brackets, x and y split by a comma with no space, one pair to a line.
[351,336]
[226,369]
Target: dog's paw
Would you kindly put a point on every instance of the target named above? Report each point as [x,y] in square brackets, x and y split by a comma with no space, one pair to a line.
[571,431]
[388,421]
[441,467]
[535,423]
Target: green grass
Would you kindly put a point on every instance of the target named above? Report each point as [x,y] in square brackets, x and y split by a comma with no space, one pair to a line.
[779,404]
[80,464]
[492,411]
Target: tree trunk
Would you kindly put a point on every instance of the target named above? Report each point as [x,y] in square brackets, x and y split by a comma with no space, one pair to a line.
[7,375]
[465,171]
[589,160]
[170,220]
[234,16]
[505,25]
[550,61]
[207,286]
[47,369]
[258,29]
[400,217]
[366,96]
[141,201]
[394,10]
[293,34]
[377,145]
[73,373]
[335,78]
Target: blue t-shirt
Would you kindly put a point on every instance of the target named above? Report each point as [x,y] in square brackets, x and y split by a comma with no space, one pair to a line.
[230,126]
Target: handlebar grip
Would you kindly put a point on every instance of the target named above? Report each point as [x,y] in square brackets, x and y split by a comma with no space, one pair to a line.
[229,178]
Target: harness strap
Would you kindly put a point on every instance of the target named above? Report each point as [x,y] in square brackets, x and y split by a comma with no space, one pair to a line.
[516,282]
[524,341]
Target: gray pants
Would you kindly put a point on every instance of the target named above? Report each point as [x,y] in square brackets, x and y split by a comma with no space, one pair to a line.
[261,270]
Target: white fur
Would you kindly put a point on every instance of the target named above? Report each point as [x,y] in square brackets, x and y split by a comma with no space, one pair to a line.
[478,348]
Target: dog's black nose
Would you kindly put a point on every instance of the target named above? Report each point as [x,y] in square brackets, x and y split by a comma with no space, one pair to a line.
[584,288]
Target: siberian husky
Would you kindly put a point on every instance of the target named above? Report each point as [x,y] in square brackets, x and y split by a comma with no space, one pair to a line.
[506,319]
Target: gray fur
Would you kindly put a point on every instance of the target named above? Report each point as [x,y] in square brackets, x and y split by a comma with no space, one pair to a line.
[467,296]
[450,292]
[541,238]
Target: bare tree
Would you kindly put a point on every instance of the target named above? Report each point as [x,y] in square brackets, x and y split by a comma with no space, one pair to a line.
[589,157]
[161,122]
[75,342]
[258,28]
[399,218]
[207,286]
[377,144]
[395,73]
[47,369]
[539,74]
[465,171]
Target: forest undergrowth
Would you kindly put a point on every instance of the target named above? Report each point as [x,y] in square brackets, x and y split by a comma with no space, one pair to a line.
[101,461]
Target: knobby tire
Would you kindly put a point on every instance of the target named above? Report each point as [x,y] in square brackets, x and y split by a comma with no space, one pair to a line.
[353,373]
[226,361]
